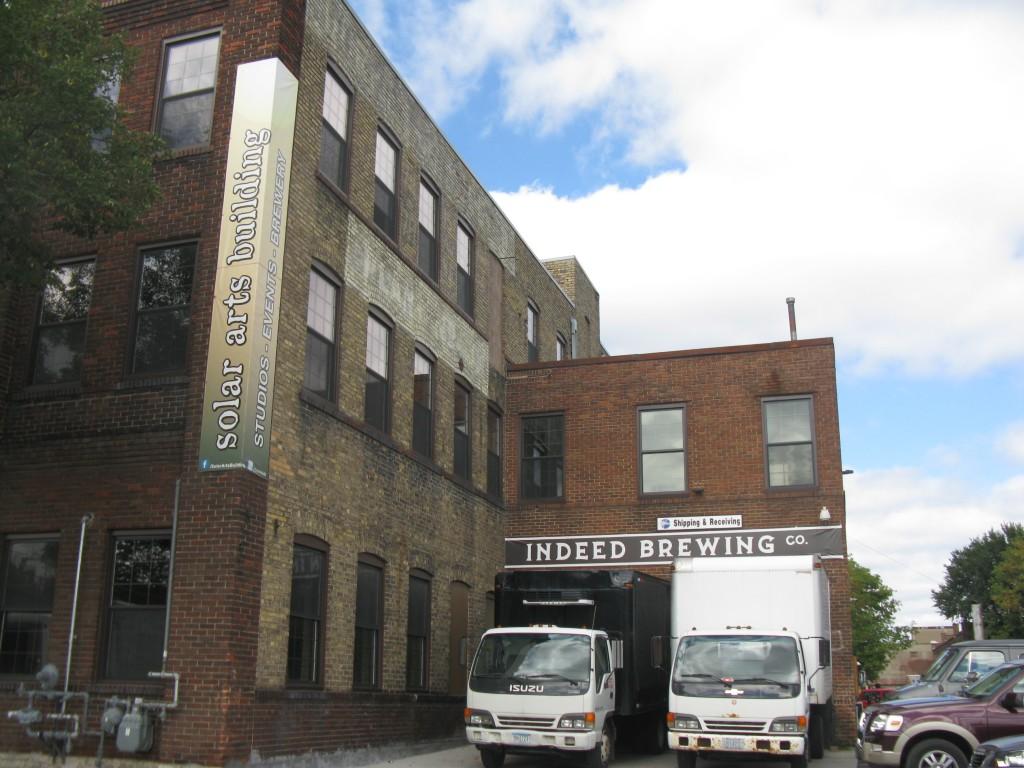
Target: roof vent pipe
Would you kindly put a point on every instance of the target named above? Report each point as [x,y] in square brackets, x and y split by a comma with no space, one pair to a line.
[791,302]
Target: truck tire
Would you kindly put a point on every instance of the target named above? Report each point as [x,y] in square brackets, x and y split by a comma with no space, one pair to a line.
[601,755]
[686,760]
[936,753]
[492,758]
[657,735]
[800,761]
[816,737]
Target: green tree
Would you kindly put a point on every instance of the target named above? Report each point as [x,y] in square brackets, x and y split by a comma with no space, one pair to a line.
[968,580]
[66,159]
[876,637]
[1008,589]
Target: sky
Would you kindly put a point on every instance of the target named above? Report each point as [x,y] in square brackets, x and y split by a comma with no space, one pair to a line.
[706,160]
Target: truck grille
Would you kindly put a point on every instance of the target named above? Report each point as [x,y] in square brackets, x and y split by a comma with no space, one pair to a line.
[736,726]
[525,721]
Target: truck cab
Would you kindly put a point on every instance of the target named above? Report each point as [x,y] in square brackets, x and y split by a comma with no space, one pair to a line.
[542,688]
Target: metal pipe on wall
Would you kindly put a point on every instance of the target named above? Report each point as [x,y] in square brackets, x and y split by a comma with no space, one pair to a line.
[170,574]
[86,520]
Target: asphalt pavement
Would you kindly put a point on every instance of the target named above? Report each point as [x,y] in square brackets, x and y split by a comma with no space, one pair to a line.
[466,757]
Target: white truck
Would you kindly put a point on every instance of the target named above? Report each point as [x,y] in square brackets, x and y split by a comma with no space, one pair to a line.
[752,669]
[578,660]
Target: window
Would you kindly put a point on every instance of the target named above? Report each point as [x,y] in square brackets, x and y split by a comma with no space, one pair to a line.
[493,453]
[417,645]
[428,230]
[979,663]
[422,404]
[378,342]
[789,441]
[26,603]
[464,268]
[138,604]
[542,470]
[369,610]
[321,320]
[162,310]
[662,449]
[334,136]
[462,449]
[111,91]
[306,614]
[559,347]
[385,215]
[574,337]
[60,335]
[186,97]
[532,314]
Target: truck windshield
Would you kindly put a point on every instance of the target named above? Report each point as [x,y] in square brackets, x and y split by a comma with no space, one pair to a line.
[992,682]
[532,664]
[737,666]
[938,669]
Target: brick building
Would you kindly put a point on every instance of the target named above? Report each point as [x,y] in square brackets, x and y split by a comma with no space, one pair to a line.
[613,451]
[306,529]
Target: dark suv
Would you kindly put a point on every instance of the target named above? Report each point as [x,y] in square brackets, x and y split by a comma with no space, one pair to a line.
[943,732]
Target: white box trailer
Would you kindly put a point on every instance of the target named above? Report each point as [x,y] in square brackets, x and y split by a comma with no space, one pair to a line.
[752,670]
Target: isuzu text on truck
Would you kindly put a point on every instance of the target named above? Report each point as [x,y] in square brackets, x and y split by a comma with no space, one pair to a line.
[578,659]
[752,670]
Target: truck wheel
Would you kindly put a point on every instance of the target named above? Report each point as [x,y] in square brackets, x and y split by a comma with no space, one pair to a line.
[816,737]
[936,753]
[601,755]
[492,758]
[657,736]
[800,761]
[686,760]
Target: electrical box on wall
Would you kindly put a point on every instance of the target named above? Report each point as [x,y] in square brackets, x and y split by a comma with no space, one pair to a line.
[135,732]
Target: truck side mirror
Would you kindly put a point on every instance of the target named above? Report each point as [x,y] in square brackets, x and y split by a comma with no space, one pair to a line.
[658,651]
[972,677]
[604,680]
[1011,701]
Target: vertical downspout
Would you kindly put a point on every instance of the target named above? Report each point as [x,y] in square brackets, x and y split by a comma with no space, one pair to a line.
[170,575]
[792,318]
[86,520]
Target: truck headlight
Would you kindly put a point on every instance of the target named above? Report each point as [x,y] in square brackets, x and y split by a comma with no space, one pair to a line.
[789,724]
[883,722]
[578,721]
[1010,759]
[478,717]
[679,722]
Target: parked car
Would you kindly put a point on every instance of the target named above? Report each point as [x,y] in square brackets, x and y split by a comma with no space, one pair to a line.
[1007,752]
[942,732]
[961,664]
[874,695]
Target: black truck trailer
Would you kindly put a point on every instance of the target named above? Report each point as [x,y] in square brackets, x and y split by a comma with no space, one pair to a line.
[632,607]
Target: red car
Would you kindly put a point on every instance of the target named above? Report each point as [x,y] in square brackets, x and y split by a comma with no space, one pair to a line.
[869,696]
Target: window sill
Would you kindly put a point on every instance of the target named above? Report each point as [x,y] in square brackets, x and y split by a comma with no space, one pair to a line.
[524,502]
[665,498]
[792,490]
[333,188]
[185,152]
[48,391]
[143,382]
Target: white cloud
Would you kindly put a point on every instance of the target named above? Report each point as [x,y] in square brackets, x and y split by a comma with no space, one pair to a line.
[864,157]
[903,525]
[1011,442]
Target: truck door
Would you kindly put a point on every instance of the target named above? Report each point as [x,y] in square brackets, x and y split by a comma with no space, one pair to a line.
[604,677]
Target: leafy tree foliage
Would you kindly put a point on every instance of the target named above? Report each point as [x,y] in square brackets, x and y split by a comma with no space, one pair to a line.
[66,159]
[876,637]
[1008,589]
[969,575]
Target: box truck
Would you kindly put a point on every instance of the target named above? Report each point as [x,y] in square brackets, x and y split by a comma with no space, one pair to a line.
[752,666]
[578,658]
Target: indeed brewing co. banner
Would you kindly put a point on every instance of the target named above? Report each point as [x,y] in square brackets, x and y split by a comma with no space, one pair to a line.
[239,394]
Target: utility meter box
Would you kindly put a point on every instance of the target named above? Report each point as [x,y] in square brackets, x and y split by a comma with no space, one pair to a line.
[135,733]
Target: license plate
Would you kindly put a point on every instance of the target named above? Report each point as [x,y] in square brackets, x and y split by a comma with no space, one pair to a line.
[521,738]
[731,742]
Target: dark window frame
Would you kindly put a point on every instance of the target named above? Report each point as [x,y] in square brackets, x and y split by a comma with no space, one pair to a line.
[495,469]
[39,326]
[318,545]
[457,435]
[331,277]
[561,349]
[344,166]
[389,136]
[641,452]
[423,684]
[385,320]
[523,459]
[140,258]
[158,111]
[109,610]
[532,332]
[426,354]
[369,560]
[765,401]
[434,262]
[468,303]
[5,544]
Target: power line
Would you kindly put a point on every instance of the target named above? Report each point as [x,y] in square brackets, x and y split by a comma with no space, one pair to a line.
[890,557]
